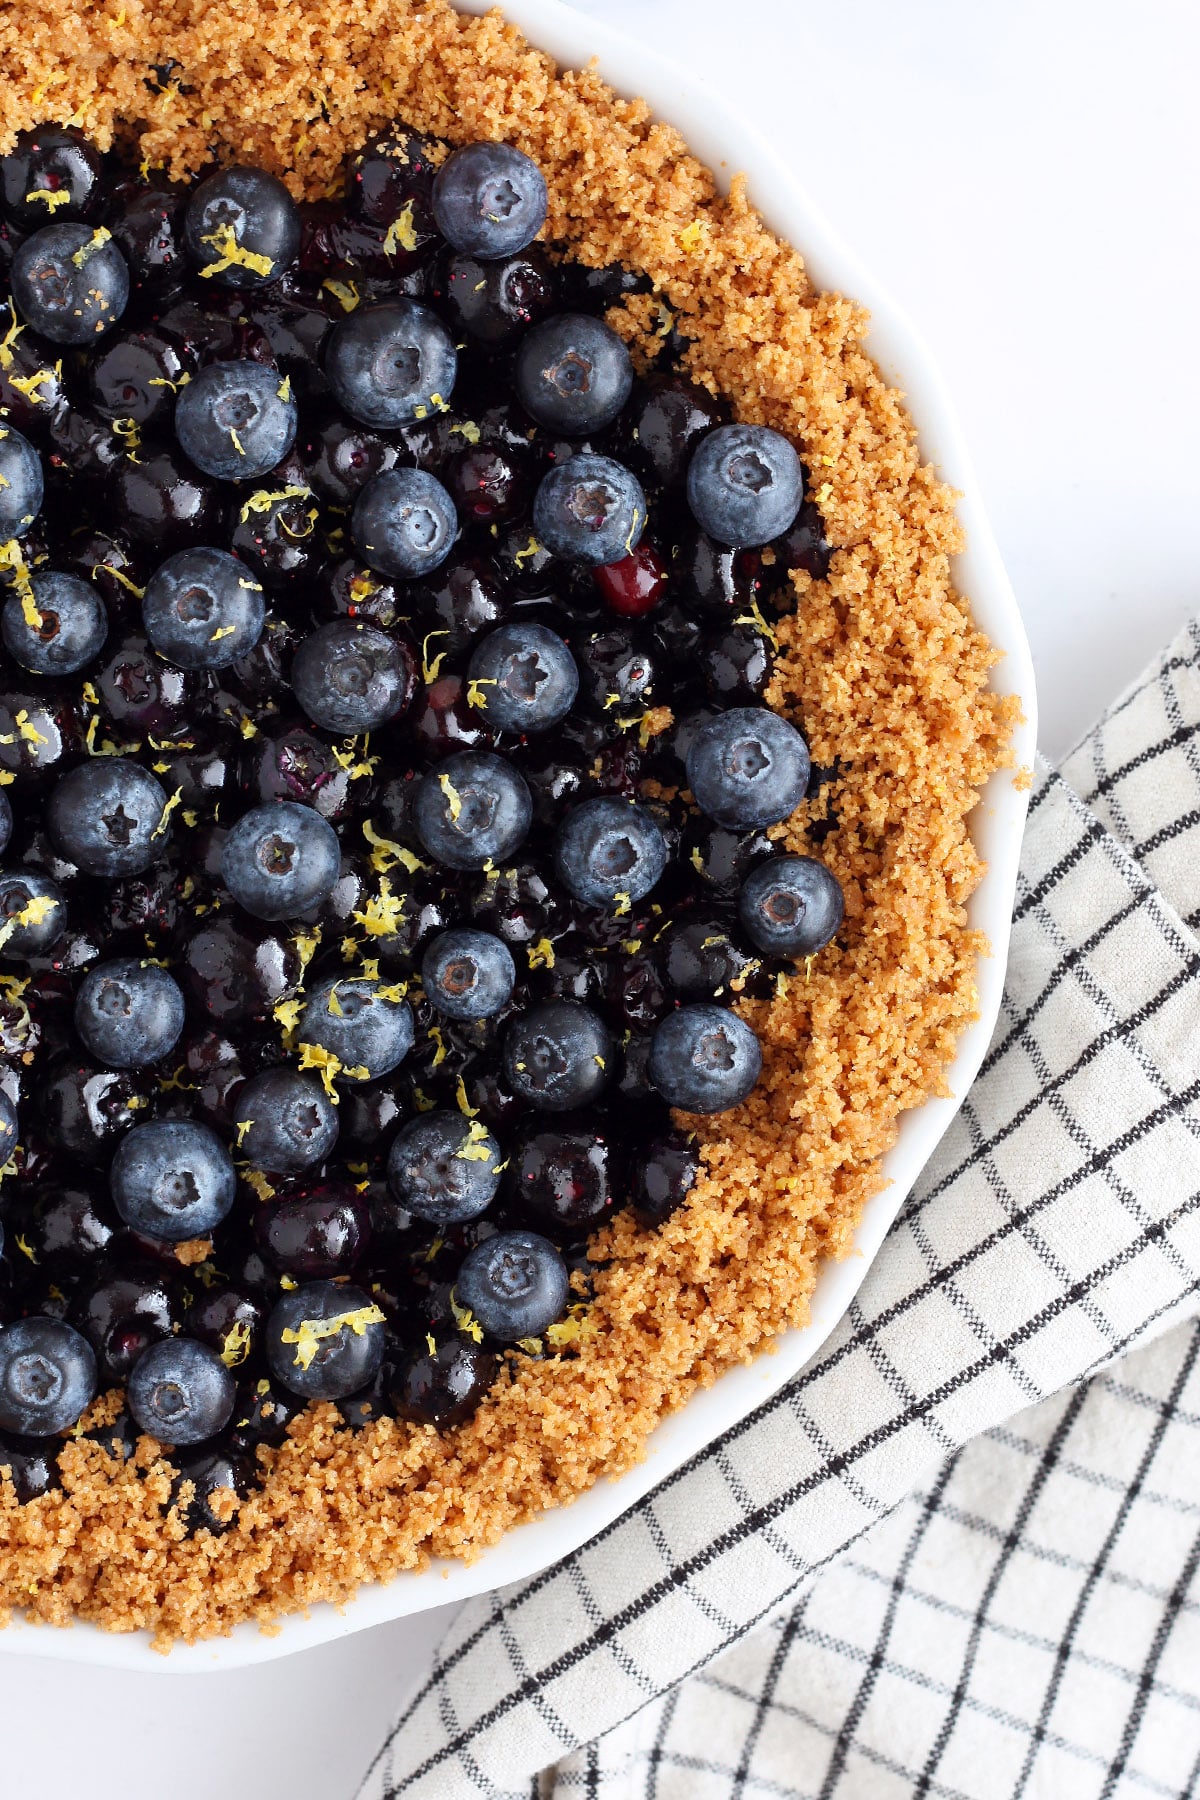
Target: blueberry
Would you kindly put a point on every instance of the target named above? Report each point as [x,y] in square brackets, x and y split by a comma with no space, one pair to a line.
[489,200]
[662,1173]
[280,860]
[57,626]
[404,523]
[359,1021]
[203,609]
[558,1056]
[109,817]
[350,677]
[325,1340]
[180,1391]
[589,510]
[242,228]
[47,1376]
[744,484]
[514,1284]
[52,172]
[290,1121]
[565,1175]
[128,1013]
[524,678]
[444,1168]
[9,1128]
[704,1059]
[472,809]
[748,767]
[495,301]
[609,851]
[70,283]
[441,1386]
[6,821]
[791,906]
[21,484]
[573,374]
[33,914]
[172,1179]
[236,420]
[390,365]
[468,974]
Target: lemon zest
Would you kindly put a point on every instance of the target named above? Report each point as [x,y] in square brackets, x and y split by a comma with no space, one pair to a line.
[9,339]
[235,1345]
[287,1012]
[400,233]
[541,954]
[29,384]
[429,670]
[477,1146]
[465,1319]
[263,499]
[229,252]
[101,235]
[37,908]
[257,1182]
[475,696]
[167,810]
[385,853]
[531,549]
[384,912]
[306,943]
[464,1105]
[345,293]
[452,796]
[693,236]
[467,428]
[52,199]
[310,1334]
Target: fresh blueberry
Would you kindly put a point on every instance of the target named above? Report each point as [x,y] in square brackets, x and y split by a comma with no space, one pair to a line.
[748,767]
[9,1127]
[52,172]
[242,228]
[744,484]
[180,1391]
[444,1168]
[489,200]
[290,1121]
[472,809]
[172,1179]
[128,1013]
[359,1021]
[559,1056]
[573,374]
[280,860]
[589,510]
[57,626]
[325,1340]
[704,1059]
[514,1284]
[390,365]
[609,851]
[33,914]
[203,609]
[236,420]
[468,974]
[47,1376]
[404,523]
[524,678]
[109,817]
[350,677]
[70,283]
[791,906]
[21,484]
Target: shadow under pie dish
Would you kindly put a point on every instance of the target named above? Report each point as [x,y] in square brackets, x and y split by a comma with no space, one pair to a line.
[846,624]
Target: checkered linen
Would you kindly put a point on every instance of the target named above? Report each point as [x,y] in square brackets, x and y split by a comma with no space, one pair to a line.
[951,1557]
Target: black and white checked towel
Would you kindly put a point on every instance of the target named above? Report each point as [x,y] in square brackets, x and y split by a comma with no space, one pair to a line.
[958,1556]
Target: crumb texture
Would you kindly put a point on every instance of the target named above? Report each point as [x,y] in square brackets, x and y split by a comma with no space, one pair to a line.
[881,664]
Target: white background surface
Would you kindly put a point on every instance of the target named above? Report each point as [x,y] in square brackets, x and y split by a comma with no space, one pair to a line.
[1023,176]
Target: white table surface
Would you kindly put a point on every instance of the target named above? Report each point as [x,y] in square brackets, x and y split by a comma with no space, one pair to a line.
[1023,176]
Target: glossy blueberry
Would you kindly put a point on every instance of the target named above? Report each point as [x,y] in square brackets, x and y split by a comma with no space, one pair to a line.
[280,860]
[52,172]
[128,1013]
[21,484]
[9,1127]
[404,523]
[444,1168]
[489,200]
[325,1340]
[33,914]
[564,1174]
[236,420]
[359,1021]
[559,1056]
[468,974]
[744,484]
[203,609]
[472,809]
[662,1173]
[47,1376]
[791,906]
[704,1059]
[390,365]
[109,817]
[589,510]
[514,1284]
[242,228]
[527,678]
[573,374]
[495,301]
[351,678]
[70,283]
[291,1123]
[608,851]
[180,1391]
[172,1179]
[57,626]
[748,767]
[442,1386]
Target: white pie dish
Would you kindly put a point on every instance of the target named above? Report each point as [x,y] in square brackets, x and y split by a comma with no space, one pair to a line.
[716,134]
